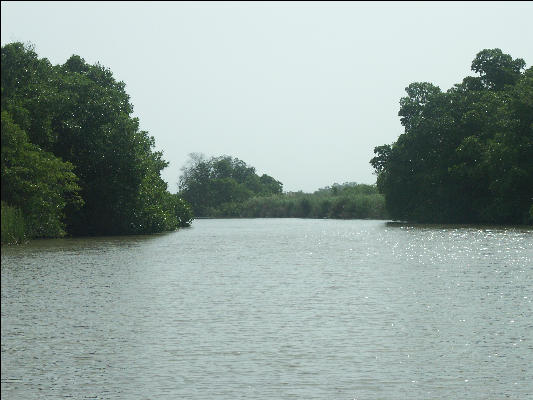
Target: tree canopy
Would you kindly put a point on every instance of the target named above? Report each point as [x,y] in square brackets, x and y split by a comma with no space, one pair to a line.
[219,182]
[466,154]
[70,127]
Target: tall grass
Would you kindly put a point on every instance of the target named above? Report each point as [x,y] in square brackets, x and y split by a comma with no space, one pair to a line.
[307,205]
[340,202]
[13,227]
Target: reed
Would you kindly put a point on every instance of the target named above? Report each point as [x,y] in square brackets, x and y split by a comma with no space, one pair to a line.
[13,227]
[307,205]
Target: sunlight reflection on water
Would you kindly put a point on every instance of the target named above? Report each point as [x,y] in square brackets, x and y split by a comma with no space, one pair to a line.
[275,308]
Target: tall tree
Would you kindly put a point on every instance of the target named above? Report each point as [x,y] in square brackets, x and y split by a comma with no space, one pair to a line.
[82,115]
[208,184]
[467,154]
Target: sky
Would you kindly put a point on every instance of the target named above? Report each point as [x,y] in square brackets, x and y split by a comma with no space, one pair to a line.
[302,91]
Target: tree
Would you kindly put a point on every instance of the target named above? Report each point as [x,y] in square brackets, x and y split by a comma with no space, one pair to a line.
[82,115]
[221,182]
[467,154]
[497,69]
[36,182]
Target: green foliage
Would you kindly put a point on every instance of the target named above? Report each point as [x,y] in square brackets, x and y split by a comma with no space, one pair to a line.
[158,210]
[13,229]
[348,201]
[36,182]
[213,186]
[497,69]
[466,154]
[80,138]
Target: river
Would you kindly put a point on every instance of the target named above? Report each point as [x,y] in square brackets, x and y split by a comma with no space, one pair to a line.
[272,309]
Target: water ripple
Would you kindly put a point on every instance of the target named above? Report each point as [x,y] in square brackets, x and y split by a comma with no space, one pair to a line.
[278,308]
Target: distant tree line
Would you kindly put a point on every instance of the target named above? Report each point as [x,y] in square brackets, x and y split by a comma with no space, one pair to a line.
[73,159]
[346,201]
[224,186]
[466,155]
[220,183]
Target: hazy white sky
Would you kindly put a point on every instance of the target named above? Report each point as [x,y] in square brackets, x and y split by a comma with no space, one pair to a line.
[301,91]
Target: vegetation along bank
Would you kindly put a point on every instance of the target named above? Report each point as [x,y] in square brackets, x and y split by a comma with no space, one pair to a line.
[466,155]
[74,160]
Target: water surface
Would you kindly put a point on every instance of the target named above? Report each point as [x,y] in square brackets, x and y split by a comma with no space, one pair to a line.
[272,308]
